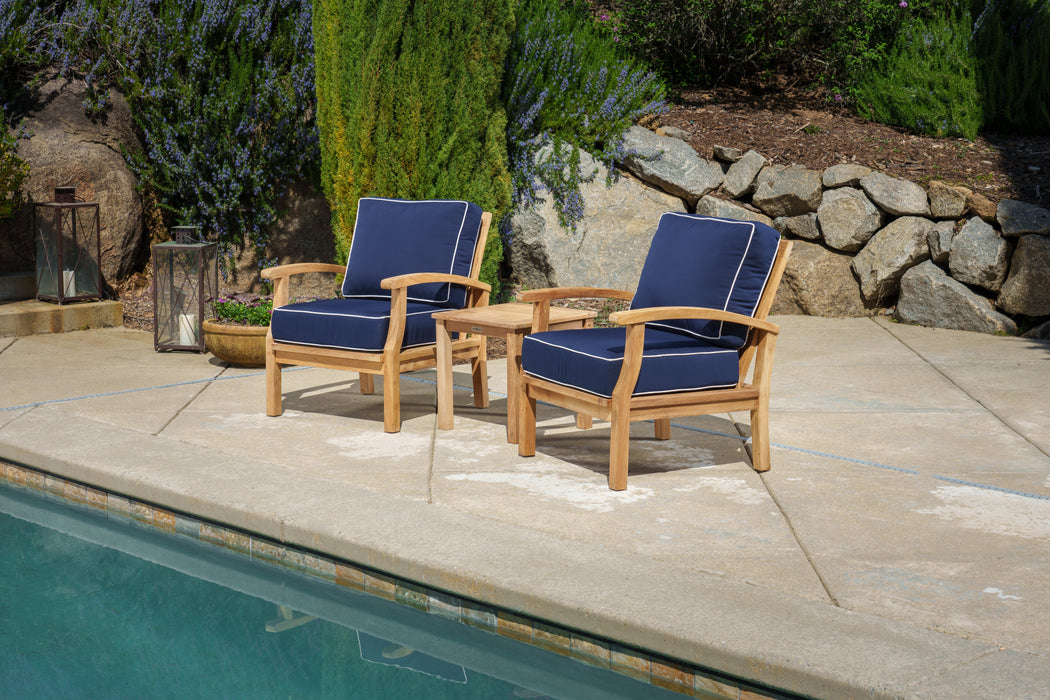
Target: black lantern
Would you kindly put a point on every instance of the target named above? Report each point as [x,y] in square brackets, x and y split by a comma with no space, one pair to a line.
[185,281]
[68,249]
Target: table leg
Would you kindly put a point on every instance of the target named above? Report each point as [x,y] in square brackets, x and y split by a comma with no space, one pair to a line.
[513,370]
[444,376]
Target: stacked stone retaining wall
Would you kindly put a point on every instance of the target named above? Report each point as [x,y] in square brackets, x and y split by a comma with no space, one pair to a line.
[867,242]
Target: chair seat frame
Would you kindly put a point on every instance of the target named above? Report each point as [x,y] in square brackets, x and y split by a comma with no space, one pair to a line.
[622,408]
[392,360]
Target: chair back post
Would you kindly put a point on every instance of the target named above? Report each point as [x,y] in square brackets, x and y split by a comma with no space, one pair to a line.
[479,246]
[765,303]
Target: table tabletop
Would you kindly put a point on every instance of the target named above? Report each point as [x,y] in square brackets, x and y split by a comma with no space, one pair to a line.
[509,317]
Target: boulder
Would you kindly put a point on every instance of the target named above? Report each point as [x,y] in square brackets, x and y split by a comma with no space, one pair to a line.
[803,226]
[739,180]
[670,164]
[896,196]
[302,233]
[979,256]
[1020,218]
[818,282]
[947,201]
[1040,332]
[888,255]
[67,148]
[981,206]
[847,219]
[674,132]
[844,174]
[713,206]
[609,244]
[726,154]
[1027,287]
[929,297]
[792,191]
[940,241]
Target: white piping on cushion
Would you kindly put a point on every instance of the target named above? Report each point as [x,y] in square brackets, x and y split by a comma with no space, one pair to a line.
[455,249]
[736,277]
[712,351]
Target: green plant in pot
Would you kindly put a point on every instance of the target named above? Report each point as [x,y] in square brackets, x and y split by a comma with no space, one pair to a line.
[237,333]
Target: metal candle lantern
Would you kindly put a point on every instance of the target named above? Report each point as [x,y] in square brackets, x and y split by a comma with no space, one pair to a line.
[185,281]
[68,248]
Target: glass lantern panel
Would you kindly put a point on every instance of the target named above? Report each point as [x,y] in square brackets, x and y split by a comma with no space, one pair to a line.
[83,278]
[48,223]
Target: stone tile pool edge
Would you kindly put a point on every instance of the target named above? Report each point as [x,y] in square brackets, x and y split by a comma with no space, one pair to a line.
[640,665]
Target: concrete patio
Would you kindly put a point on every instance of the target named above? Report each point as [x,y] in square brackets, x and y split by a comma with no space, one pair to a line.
[897,548]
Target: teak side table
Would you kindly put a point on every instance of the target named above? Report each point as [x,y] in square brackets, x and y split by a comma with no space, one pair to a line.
[513,321]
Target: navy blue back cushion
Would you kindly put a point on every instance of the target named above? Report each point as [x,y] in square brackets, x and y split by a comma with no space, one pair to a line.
[713,263]
[397,237]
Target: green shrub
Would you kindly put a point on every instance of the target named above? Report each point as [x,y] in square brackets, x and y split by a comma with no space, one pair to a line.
[244,309]
[13,171]
[926,82]
[1011,40]
[709,42]
[569,87]
[408,105]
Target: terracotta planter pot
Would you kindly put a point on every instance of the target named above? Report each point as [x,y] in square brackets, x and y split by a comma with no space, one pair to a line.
[242,346]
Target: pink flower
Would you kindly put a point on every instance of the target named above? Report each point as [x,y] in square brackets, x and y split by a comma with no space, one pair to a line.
[838,98]
[902,3]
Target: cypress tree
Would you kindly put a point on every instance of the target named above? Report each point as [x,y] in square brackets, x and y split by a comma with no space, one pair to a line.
[408,105]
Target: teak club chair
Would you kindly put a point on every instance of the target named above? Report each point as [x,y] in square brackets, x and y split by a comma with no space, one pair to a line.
[407,260]
[696,324]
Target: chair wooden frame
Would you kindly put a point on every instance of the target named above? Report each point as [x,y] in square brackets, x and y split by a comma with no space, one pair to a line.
[622,407]
[392,360]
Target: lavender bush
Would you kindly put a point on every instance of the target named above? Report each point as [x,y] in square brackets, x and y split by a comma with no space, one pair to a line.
[222,94]
[567,87]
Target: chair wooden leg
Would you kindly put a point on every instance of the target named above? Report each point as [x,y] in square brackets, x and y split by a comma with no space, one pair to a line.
[391,397]
[760,436]
[526,422]
[619,447]
[584,421]
[662,428]
[367,383]
[273,386]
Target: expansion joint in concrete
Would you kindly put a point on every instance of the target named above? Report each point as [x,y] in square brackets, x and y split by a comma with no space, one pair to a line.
[787,520]
[175,414]
[991,410]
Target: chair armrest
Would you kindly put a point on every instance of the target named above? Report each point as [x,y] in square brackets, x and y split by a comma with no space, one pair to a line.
[273,273]
[430,277]
[282,273]
[667,313]
[534,295]
[541,300]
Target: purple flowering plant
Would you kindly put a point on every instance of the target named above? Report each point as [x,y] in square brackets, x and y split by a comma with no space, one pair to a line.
[222,95]
[568,87]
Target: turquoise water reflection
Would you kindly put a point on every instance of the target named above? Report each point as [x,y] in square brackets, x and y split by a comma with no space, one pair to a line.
[102,608]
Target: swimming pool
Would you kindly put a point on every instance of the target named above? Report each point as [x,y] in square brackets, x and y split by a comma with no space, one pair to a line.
[93,605]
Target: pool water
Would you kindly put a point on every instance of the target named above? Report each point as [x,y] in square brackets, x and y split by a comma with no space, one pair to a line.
[96,607]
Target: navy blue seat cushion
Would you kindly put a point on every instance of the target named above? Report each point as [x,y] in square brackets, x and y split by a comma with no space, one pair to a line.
[350,324]
[396,237]
[708,262]
[590,359]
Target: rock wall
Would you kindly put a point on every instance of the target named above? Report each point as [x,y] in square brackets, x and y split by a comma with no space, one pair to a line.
[939,256]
